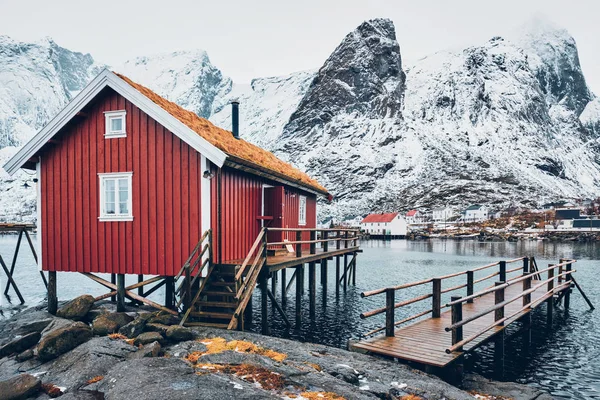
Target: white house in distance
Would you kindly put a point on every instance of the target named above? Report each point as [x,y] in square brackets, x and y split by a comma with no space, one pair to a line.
[388,224]
[443,214]
[476,213]
[414,217]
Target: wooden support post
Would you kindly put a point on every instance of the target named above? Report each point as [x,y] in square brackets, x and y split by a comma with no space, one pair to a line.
[298,245]
[337,275]
[312,288]
[499,298]
[299,291]
[313,245]
[324,273]
[14,260]
[274,283]
[345,277]
[457,333]
[248,312]
[187,289]
[526,286]
[346,241]
[263,304]
[11,280]
[525,266]
[169,290]
[279,309]
[354,270]
[568,292]
[283,291]
[338,242]
[502,276]
[120,292]
[390,302]
[141,288]
[325,243]
[470,284]
[550,301]
[113,280]
[437,298]
[52,295]
[499,354]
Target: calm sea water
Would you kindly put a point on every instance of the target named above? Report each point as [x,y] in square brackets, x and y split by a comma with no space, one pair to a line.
[564,360]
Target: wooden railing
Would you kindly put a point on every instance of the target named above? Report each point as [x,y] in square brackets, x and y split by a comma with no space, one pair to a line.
[191,271]
[349,238]
[436,291]
[247,274]
[564,279]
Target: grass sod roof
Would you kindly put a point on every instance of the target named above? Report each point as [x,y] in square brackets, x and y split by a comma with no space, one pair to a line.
[224,140]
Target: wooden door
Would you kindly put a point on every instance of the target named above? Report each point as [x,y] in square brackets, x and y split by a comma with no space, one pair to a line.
[273,211]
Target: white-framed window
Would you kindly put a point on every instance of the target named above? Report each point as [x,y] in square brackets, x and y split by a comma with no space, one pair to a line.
[115,196]
[302,210]
[114,122]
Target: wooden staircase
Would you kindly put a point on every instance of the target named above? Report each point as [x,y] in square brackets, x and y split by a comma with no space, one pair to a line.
[221,297]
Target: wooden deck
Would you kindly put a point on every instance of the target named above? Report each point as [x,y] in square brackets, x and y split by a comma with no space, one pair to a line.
[281,261]
[426,341]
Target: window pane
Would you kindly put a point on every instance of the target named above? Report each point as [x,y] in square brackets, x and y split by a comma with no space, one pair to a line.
[123,184]
[110,208]
[116,124]
[123,209]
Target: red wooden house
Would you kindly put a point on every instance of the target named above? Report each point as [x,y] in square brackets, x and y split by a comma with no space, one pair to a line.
[128,182]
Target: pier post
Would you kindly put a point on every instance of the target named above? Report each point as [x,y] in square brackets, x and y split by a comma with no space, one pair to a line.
[354,270]
[299,291]
[436,298]
[274,283]
[113,280]
[283,291]
[499,354]
[324,260]
[141,288]
[502,265]
[263,304]
[337,275]
[248,313]
[120,292]
[52,296]
[345,272]
[298,245]
[457,333]
[550,300]
[499,298]
[568,292]
[525,266]
[312,288]
[470,284]
[169,289]
[390,302]
[313,245]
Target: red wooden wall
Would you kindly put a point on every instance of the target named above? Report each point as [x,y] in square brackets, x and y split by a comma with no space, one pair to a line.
[241,204]
[166,196]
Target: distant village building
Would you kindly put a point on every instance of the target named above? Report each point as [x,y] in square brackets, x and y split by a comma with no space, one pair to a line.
[388,224]
[476,213]
[443,214]
[414,217]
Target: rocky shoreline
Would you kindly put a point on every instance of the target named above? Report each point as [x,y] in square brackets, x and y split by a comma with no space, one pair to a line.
[88,351]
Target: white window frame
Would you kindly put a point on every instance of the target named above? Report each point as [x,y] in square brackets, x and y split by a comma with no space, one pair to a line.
[110,115]
[102,178]
[302,210]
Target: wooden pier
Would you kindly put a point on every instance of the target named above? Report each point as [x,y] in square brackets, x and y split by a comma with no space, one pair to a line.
[445,332]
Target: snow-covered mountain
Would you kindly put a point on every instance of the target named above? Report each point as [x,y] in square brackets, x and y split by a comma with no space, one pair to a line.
[508,121]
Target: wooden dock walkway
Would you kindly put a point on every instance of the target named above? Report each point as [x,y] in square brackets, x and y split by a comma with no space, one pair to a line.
[470,321]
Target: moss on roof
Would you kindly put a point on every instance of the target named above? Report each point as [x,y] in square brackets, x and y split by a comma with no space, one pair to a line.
[224,140]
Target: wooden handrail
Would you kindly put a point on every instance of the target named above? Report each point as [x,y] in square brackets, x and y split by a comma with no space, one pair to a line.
[258,240]
[309,241]
[402,321]
[397,305]
[403,286]
[313,229]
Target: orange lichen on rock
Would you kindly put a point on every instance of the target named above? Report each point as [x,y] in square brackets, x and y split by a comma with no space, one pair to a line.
[117,336]
[411,397]
[95,379]
[267,380]
[248,153]
[51,390]
[321,396]
[483,396]
[219,345]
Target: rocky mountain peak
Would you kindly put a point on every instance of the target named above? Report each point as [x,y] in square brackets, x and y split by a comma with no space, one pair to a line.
[363,75]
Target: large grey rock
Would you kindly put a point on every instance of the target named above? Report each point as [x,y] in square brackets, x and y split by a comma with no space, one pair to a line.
[148,337]
[178,333]
[110,323]
[172,379]
[77,308]
[19,387]
[509,390]
[20,344]
[156,327]
[135,327]
[163,318]
[149,350]
[62,340]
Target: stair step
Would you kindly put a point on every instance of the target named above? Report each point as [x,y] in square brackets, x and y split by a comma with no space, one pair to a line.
[207,324]
[217,304]
[215,293]
[212,314]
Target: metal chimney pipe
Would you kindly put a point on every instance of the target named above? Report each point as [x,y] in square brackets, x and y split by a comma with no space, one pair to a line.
[235,118]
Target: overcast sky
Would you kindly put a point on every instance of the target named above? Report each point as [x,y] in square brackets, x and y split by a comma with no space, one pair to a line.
[248,39]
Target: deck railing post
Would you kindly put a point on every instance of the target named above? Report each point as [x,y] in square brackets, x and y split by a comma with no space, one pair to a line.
[499,298]
[436,298]
[526,287]
[457,333]
[313,245]
[550,300]
[298,245]
[525,266]
[390,302]
[325,243]
[568,292]
[346,240]
[502,276]
[470,284]
[560,271]
[338,244]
